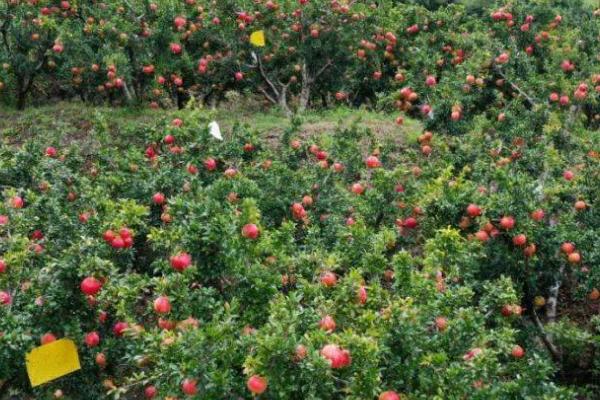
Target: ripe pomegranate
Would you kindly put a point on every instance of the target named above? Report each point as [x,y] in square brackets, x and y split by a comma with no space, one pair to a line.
[181,261]
[5,298]
[47,338]
[362,295]
[574,258]
[119,328]
[519,240]
[188,386]
[373,162]
[150,392]
[210,164]
[50,151]
[101,360]
[507,223]
[175,48]
[537,215]
[328,279]
[256,384]
[158,198]
[90,286]
[250,231]
[337,357]
[389,395]
[162,305]
[357,188]
[473,210]
[567,248]
[441,323]
[327,323]
[517,351]
[92,339]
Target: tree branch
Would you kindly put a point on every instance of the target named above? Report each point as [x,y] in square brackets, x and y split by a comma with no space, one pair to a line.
[320,72]
[527,97]
[546,338]
[263,74]
[266,94]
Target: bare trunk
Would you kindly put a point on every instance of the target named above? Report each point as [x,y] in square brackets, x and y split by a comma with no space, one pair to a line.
[282,101]
[553,297]
[305,91]
[128,94]
[22,90]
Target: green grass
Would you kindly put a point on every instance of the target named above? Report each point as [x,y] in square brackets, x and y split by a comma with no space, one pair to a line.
[78,122]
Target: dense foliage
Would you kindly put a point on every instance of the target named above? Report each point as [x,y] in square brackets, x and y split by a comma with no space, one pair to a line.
[191,258]
[460,261]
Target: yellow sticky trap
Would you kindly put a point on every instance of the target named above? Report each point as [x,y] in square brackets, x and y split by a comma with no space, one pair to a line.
[51,361]
[258,39]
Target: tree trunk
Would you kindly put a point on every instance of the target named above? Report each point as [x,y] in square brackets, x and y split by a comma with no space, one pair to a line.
[21,100]
[282,102]
[305,91]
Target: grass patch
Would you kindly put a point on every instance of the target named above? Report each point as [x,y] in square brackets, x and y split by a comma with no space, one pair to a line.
[78,123]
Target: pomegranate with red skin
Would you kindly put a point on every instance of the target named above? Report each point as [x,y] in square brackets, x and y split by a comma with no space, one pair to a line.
[482,236]
[250,231]
[5,298]
[50,152]
[300,353]
[189,387]
[537,215]
[389,395]
[2,266]
[298,211]
[519,240]
[100,360]
[373,162]
[169,139]
[181,261]
[162,305]
[362,295]
[410,223]
[210,164]
[119,328]
[192,169]
[92,339]
[159,199]
[257,384]
[568,175]
[150,392]
[336,356]
[90,286]
[180,22]
[357,188]
[230,172]
[580,205]
[471,354]
[517,351]
[328,279]
[176,48]
[574,258]
[47,338]
[441,323]
[507,223]
[327,323]
[567,248]
[17,202]
[473,210]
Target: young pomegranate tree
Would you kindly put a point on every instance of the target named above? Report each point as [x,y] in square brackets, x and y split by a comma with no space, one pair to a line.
[307,45]
[30,45]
